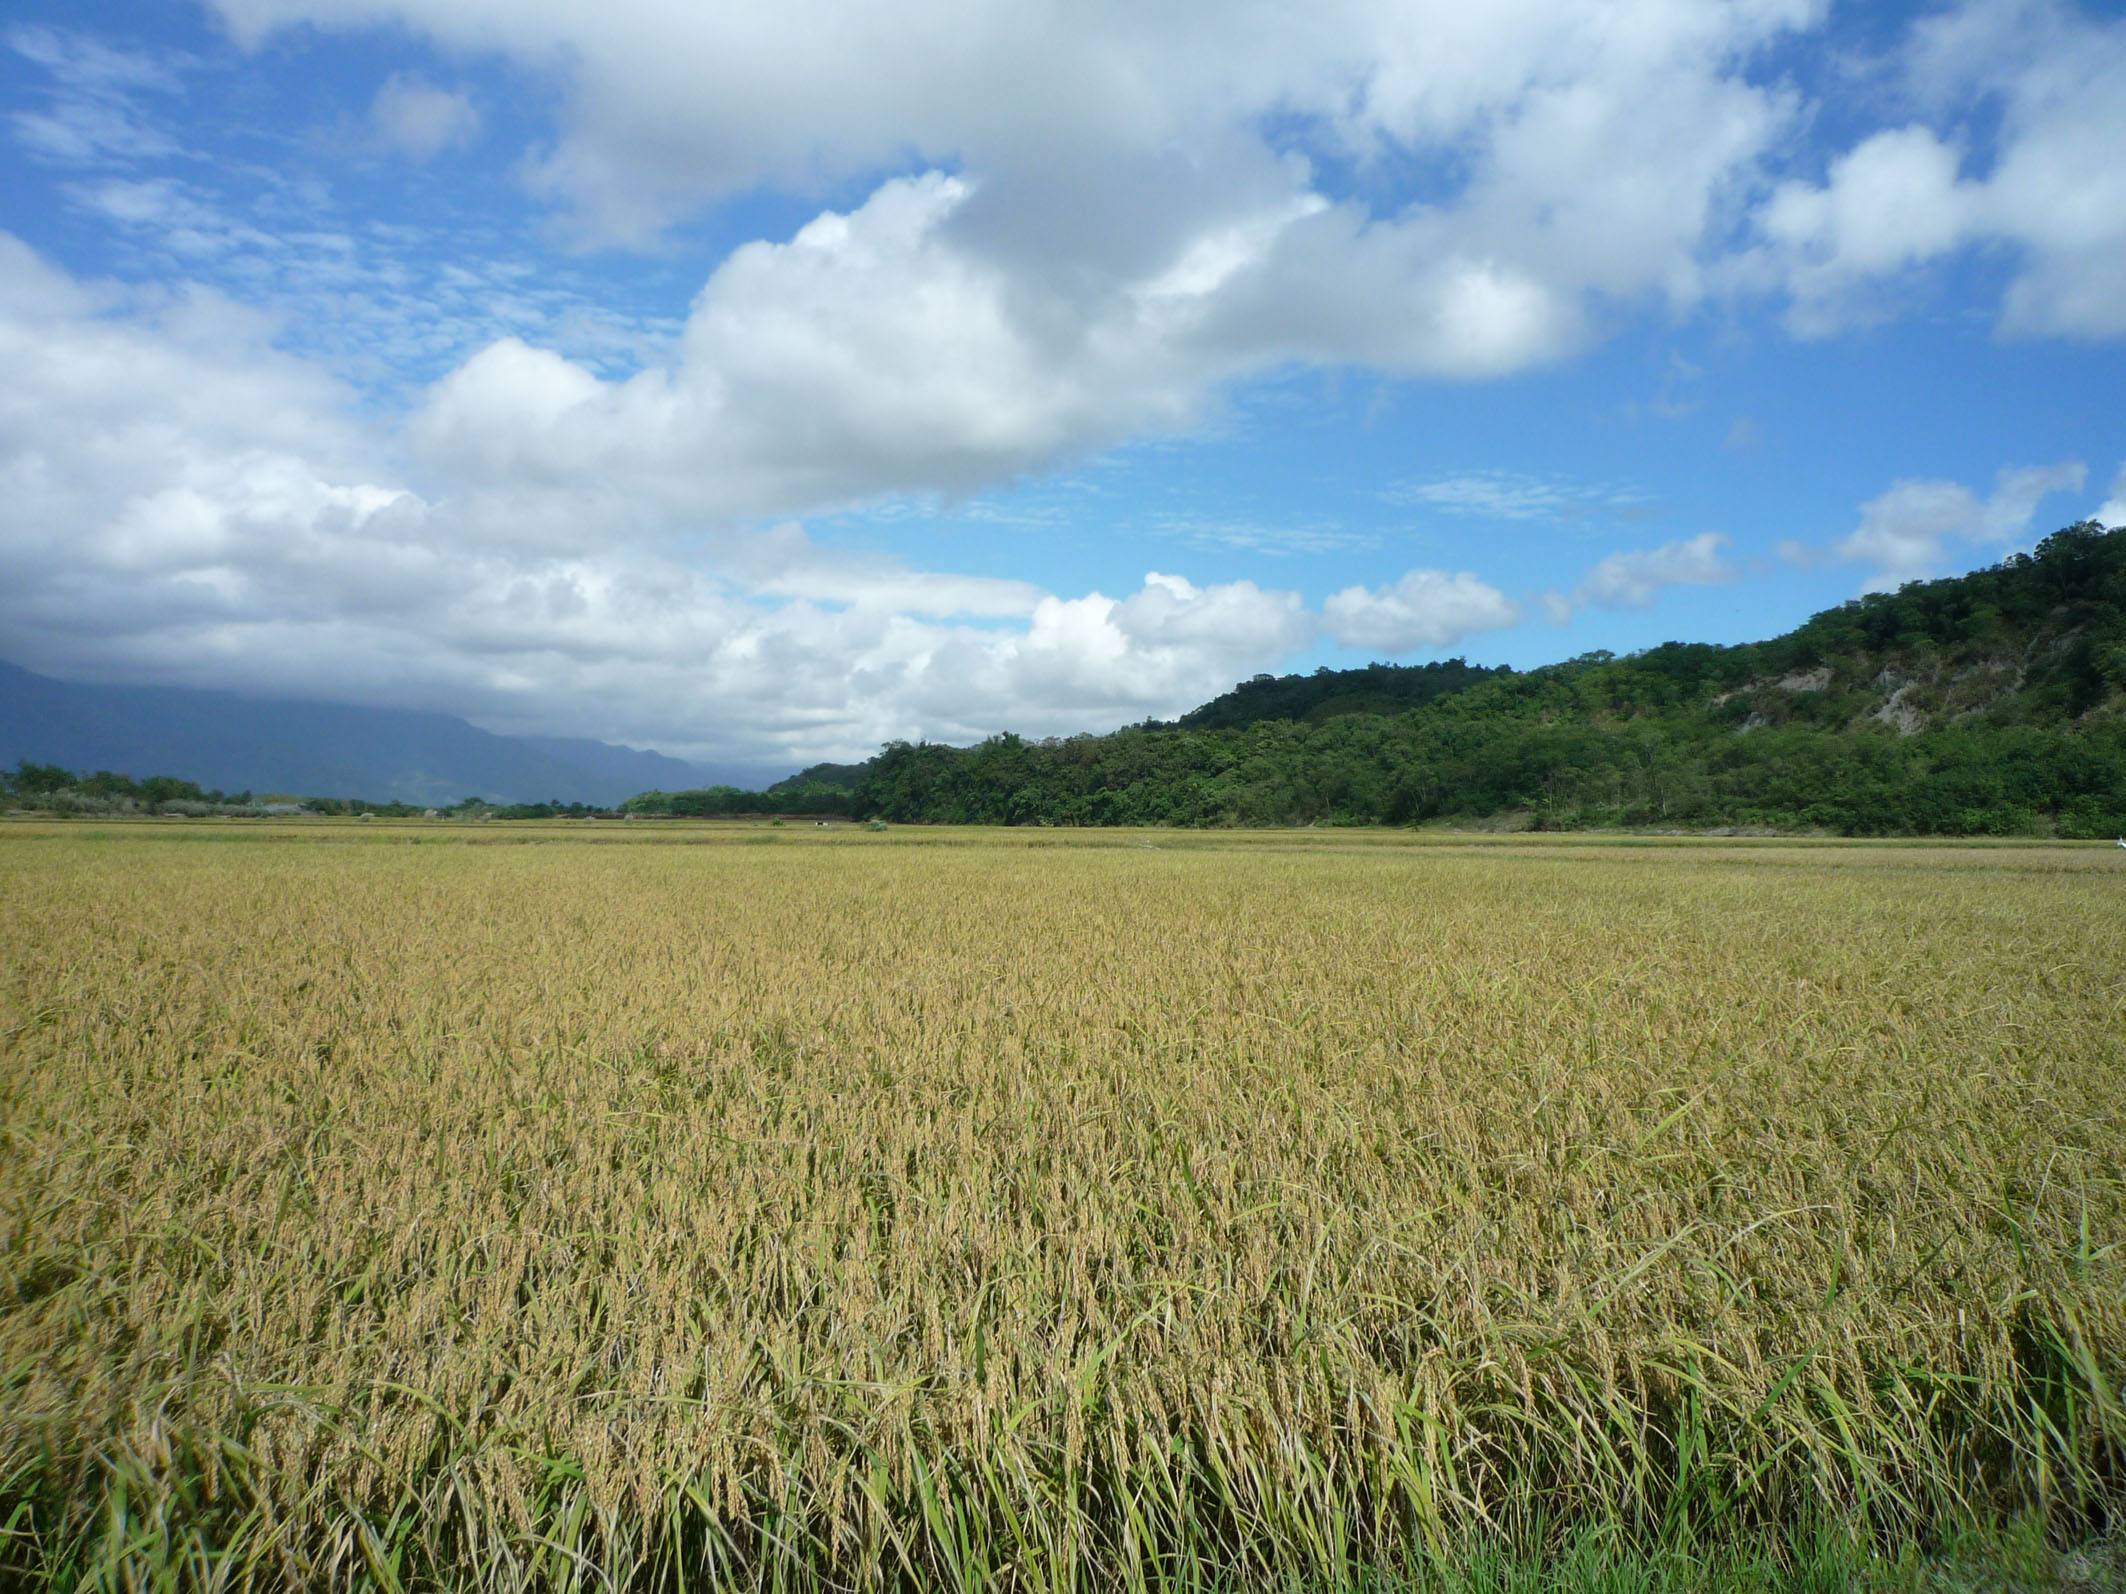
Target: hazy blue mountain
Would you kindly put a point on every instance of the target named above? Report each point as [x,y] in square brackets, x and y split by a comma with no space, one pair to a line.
[313,749]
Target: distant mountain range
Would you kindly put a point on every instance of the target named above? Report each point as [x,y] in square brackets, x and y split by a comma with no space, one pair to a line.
[313,749]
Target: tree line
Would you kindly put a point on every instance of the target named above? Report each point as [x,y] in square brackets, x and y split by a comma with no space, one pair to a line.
[1987,704]
[52,788]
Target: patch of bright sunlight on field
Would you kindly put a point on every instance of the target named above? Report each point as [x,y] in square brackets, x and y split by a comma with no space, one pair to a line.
[710,1203]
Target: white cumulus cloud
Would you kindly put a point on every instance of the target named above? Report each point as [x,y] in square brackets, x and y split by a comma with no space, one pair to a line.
[1112,217]
[180,500]
[2112,512]
[869,354]
[1892,202]
[1424,609]
[2050,192]
[1906,532]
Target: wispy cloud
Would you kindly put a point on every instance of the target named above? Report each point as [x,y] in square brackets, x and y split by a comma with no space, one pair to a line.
[90,112]
[1027,515]
[420,120]
[1511,495]
[1630,579]
[1275,540]
[387,306]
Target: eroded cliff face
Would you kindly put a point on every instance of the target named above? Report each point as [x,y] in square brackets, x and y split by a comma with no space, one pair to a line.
[1923,689]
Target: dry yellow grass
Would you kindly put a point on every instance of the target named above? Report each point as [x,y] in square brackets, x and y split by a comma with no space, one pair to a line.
[732,1205]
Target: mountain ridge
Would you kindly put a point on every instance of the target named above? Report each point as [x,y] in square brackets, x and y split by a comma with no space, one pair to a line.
[308,748]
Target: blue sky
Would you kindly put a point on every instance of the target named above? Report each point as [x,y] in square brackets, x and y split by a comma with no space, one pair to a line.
[758,383]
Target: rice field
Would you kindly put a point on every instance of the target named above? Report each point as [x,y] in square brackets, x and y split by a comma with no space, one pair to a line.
[668,1207]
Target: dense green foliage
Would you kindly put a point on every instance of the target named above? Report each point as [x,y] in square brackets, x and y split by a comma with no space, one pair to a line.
[1661,772]
[832,777]
[787,798]
[1326,694]
[1988,704]
[52,788]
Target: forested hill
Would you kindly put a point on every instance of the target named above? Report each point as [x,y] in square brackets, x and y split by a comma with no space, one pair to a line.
[824,777]
[1992,703]
[1327,694]
[1323,695]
